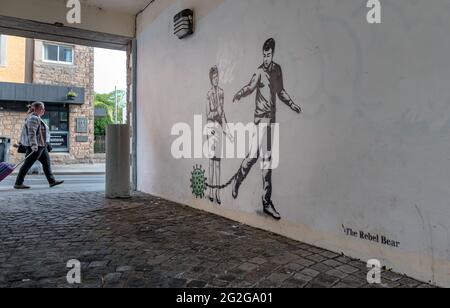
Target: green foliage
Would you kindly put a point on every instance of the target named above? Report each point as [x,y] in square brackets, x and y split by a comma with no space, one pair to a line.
[72,94]
[109,98]
[107,102]
[100,125]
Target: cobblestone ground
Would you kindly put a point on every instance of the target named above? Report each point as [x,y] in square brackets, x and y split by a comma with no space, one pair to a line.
[150,242]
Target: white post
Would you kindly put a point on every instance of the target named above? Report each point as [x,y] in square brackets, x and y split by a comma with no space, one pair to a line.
[117,161]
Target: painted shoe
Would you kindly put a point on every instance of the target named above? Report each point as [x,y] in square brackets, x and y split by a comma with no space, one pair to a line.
[236,185]
[218,201]
[270,210]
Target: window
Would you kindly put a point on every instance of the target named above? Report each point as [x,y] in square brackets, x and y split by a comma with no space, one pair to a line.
[2,50]
[57,119]
[58,53]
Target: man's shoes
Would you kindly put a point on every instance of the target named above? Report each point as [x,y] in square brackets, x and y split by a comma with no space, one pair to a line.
[56,183]
[270,210]
[21,186]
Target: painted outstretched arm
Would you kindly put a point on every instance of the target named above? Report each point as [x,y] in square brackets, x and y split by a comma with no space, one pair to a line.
[285,98]
[248,89]
[227,131]
[226,128]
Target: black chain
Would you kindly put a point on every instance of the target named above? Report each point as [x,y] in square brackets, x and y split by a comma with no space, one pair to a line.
[224,185]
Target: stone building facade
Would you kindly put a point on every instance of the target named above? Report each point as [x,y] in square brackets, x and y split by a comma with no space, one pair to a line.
[71,144]
[11,123]
[80,74]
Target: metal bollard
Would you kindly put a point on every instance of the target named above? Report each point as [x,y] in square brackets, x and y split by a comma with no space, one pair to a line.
[118,161]
[5,143]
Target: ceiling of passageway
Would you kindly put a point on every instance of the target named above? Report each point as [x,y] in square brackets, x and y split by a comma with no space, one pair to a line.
[112,28]
[123,6]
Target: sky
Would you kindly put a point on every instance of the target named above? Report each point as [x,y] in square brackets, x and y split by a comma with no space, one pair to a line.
[110,70]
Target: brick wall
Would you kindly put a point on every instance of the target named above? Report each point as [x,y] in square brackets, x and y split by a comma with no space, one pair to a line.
[11,126]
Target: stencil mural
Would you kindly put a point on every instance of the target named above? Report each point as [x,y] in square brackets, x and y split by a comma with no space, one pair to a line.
[267,81]
[268,84]
[217,127]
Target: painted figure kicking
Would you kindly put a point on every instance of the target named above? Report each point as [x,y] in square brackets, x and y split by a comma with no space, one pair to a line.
[268,83]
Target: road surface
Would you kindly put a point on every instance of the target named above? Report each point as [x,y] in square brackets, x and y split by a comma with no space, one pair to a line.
[39,185]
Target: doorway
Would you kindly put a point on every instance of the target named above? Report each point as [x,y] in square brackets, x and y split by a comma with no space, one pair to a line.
[64,121]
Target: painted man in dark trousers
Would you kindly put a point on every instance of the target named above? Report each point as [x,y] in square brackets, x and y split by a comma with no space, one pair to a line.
[268,83]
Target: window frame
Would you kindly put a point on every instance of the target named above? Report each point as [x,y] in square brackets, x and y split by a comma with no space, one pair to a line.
[59,109]
[3,50]
[45,44]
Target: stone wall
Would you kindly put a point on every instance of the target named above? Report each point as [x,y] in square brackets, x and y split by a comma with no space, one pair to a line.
[11,126]
[80,74]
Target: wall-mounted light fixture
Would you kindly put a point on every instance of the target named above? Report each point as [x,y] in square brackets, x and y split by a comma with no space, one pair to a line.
[183,23]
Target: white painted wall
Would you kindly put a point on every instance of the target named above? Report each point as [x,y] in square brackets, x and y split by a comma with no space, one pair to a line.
[372,149]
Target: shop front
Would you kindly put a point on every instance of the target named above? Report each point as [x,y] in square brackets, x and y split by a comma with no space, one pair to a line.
[70,143]
[57,119]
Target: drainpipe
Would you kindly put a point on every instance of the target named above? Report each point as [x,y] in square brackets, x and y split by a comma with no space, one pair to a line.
[29,60]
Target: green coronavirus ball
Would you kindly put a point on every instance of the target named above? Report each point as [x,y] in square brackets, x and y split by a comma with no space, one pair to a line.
[198,182]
